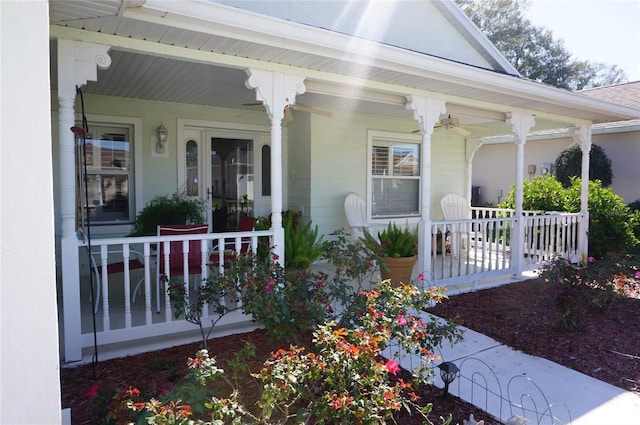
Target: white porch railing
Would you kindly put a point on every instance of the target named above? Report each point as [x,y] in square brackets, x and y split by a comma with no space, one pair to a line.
[488,212]
[131,306]
[476,249]
[131,303]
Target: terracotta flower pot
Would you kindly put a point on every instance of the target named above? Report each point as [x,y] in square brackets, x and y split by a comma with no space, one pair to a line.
[397,269]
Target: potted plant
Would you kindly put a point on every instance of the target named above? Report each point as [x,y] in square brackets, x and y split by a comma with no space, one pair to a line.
[174,209]
[396,249]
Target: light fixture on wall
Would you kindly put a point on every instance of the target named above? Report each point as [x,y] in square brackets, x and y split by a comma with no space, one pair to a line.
[163,134]
[532,170]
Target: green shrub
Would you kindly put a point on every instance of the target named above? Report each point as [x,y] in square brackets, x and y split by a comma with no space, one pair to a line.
[174,209]
[543,193]
[611,224]
[610,228]
[569,164]
[302,246]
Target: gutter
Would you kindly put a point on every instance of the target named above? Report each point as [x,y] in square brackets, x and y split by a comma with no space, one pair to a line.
[567,133]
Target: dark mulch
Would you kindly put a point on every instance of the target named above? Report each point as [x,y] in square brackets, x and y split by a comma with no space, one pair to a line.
[522,315]
[519,315]
[158,371]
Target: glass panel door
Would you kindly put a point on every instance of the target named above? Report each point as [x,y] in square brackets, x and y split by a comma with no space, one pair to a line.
[232,182]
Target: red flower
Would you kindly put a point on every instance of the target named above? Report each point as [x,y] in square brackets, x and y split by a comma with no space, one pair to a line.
[92,392]
[275,257]
[132,391]
[392,366]
[420,276]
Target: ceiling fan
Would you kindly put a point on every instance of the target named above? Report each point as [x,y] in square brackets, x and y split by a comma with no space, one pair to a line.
[288,115]
[451,123]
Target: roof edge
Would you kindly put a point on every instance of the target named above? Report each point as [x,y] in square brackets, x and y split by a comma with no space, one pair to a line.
[476,37]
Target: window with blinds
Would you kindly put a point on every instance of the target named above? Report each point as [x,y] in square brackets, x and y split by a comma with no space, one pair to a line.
[394,179]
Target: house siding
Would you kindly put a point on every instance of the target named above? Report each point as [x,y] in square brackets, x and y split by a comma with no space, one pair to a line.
[491,174]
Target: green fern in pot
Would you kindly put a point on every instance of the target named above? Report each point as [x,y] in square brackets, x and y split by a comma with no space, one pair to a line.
[394,242]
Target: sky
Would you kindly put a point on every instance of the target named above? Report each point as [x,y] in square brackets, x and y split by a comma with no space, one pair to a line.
[594,30]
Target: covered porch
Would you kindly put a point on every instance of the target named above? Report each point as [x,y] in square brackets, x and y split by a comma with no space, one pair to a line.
[185,70]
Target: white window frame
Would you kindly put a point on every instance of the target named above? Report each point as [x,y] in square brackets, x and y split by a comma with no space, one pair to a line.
[135,198]
[377,137]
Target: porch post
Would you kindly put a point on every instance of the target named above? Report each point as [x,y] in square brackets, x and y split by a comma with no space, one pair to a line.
[276,91]
[76,65]
[520,125]
[582,136]
[472,146]
[426,111]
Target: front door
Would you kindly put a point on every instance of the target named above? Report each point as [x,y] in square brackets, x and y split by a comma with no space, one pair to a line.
[232,181]
[230,170]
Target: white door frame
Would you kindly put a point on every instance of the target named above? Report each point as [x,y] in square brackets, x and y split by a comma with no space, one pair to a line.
[201,131]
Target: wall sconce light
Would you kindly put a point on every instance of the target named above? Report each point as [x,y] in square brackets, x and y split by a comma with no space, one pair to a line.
[532,170]
[163,134]
[448,373]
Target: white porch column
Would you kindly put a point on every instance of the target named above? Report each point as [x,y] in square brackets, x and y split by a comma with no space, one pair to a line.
[471,147]
[426,111]
[520,125]
[77,63]
[582,136]
[276,91]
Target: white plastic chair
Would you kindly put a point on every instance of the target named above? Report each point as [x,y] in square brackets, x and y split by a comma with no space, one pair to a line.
[356,211]
[455,207]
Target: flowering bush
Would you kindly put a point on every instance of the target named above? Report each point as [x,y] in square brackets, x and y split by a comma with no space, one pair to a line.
[579,289]
[114,404]
[341,379]
[289,303]
[345,379]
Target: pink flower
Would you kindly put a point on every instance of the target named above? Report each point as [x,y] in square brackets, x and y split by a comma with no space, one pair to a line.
[269,288]
[392,366]
[637,275]
[92,392]
[402,321]
[420,276]
[319,284]
[591,259]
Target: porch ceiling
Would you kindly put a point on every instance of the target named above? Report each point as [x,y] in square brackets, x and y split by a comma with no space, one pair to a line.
[144,76]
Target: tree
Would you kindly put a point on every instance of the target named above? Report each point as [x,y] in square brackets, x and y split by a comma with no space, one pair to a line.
[532,50]
[569,164]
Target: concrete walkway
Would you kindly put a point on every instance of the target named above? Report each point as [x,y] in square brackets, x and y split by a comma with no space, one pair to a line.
[506,382]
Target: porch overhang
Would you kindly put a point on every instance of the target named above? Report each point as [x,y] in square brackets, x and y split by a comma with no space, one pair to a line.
[222,36]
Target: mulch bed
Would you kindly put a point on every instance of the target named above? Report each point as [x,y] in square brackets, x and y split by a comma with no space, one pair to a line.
[523,316]
[519,315]
[158,371]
